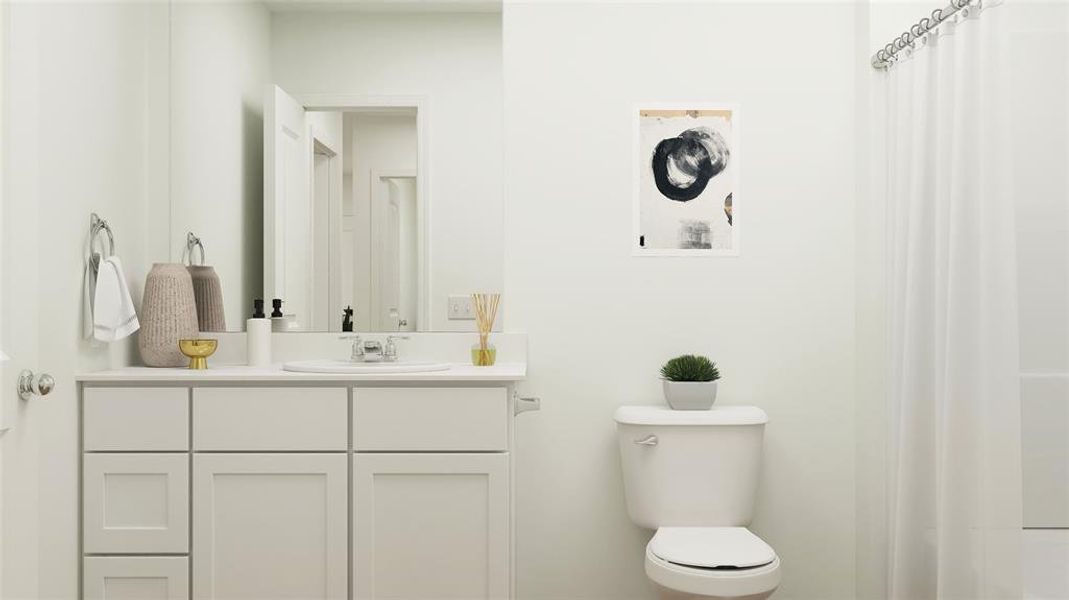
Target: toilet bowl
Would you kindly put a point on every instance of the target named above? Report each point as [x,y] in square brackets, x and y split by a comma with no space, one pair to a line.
[711,562]
[692,476]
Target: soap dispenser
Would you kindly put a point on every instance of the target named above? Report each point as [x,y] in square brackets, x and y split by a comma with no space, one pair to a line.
[279,321]
[258,336]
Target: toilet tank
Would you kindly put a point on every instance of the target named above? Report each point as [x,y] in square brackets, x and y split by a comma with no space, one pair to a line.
[696,468]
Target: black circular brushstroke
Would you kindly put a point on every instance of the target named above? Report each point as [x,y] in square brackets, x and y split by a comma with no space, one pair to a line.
[699,153]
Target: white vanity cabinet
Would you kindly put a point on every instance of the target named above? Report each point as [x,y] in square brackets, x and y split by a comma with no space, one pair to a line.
[304,490]
[431,493]
[270,526]
[430,526]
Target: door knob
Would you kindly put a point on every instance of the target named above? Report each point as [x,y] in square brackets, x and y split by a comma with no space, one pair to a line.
[30,385]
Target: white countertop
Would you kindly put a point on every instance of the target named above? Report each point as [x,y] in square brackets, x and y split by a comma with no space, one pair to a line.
[241,373]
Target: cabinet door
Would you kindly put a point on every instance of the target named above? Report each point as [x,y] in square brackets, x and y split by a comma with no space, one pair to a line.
[430,526]
[136,578]
[136,503]
[270,526]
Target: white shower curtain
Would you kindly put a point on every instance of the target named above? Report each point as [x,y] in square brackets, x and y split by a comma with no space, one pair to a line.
[954,521]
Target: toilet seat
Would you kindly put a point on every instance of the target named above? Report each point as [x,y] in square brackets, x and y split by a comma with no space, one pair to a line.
[721,562]
[711,547]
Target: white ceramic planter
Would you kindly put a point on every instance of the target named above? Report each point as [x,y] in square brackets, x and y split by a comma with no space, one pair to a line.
[690,395]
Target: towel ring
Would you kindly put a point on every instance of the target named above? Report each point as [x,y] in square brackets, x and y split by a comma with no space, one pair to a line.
[96,225]
[193,243]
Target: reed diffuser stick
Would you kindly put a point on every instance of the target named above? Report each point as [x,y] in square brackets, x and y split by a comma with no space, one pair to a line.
[485,313]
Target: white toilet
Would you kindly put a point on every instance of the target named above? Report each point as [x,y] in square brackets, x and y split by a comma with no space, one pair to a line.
[692,476]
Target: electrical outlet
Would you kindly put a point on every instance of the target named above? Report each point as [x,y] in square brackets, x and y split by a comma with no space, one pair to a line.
[460,308]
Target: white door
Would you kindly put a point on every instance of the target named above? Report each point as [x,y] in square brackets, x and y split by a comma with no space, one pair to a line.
[287,214]
[270,526]
[136,578]
[19,297]
[430,526]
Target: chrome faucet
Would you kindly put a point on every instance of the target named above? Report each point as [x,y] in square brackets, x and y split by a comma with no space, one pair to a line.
[373,350]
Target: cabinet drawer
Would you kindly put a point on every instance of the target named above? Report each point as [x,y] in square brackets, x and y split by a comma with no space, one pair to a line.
[136,578]
[135,503]
[430,419]
[266,419]
[144,419]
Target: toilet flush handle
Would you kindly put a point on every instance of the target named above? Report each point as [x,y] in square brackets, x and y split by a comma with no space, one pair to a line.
[649,440]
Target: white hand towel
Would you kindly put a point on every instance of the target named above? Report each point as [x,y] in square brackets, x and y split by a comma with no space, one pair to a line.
[113,310]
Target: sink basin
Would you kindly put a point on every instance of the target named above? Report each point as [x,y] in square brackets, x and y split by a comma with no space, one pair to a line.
[363,368]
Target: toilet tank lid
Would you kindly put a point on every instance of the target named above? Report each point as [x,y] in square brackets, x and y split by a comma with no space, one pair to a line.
[718,415]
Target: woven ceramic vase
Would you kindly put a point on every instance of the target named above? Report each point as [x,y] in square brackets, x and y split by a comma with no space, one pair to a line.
[208,294]
[168,314]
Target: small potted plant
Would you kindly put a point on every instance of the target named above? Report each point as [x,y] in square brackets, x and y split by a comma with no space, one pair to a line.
[690,382]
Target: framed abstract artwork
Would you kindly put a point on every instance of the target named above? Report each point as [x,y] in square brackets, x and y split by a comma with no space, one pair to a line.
[686,197]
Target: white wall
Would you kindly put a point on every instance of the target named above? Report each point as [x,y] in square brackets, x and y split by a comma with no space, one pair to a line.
[379,143]
[85,87]
[455,61]
[1040,47]
[779,319]
[220,69]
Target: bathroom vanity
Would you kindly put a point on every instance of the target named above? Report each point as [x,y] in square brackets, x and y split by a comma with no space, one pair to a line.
[239,482]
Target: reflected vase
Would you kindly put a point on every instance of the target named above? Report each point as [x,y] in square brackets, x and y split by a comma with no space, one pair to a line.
[208,295]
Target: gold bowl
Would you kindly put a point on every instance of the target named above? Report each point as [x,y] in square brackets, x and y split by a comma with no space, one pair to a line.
[198,351]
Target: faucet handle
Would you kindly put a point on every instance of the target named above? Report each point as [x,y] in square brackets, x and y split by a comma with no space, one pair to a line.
[357,353]
[390,352]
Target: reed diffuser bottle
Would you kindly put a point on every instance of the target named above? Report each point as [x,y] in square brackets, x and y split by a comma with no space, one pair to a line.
[484,354]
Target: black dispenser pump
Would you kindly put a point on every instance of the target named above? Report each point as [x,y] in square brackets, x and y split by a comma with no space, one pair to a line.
[258,309]
[276,304]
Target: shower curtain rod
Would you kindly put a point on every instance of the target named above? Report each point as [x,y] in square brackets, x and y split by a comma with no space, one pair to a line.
[887,55]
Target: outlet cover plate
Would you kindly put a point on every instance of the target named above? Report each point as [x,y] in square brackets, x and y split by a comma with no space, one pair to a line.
[460,308]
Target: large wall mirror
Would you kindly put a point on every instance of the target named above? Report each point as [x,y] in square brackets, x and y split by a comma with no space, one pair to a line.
[339,156]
